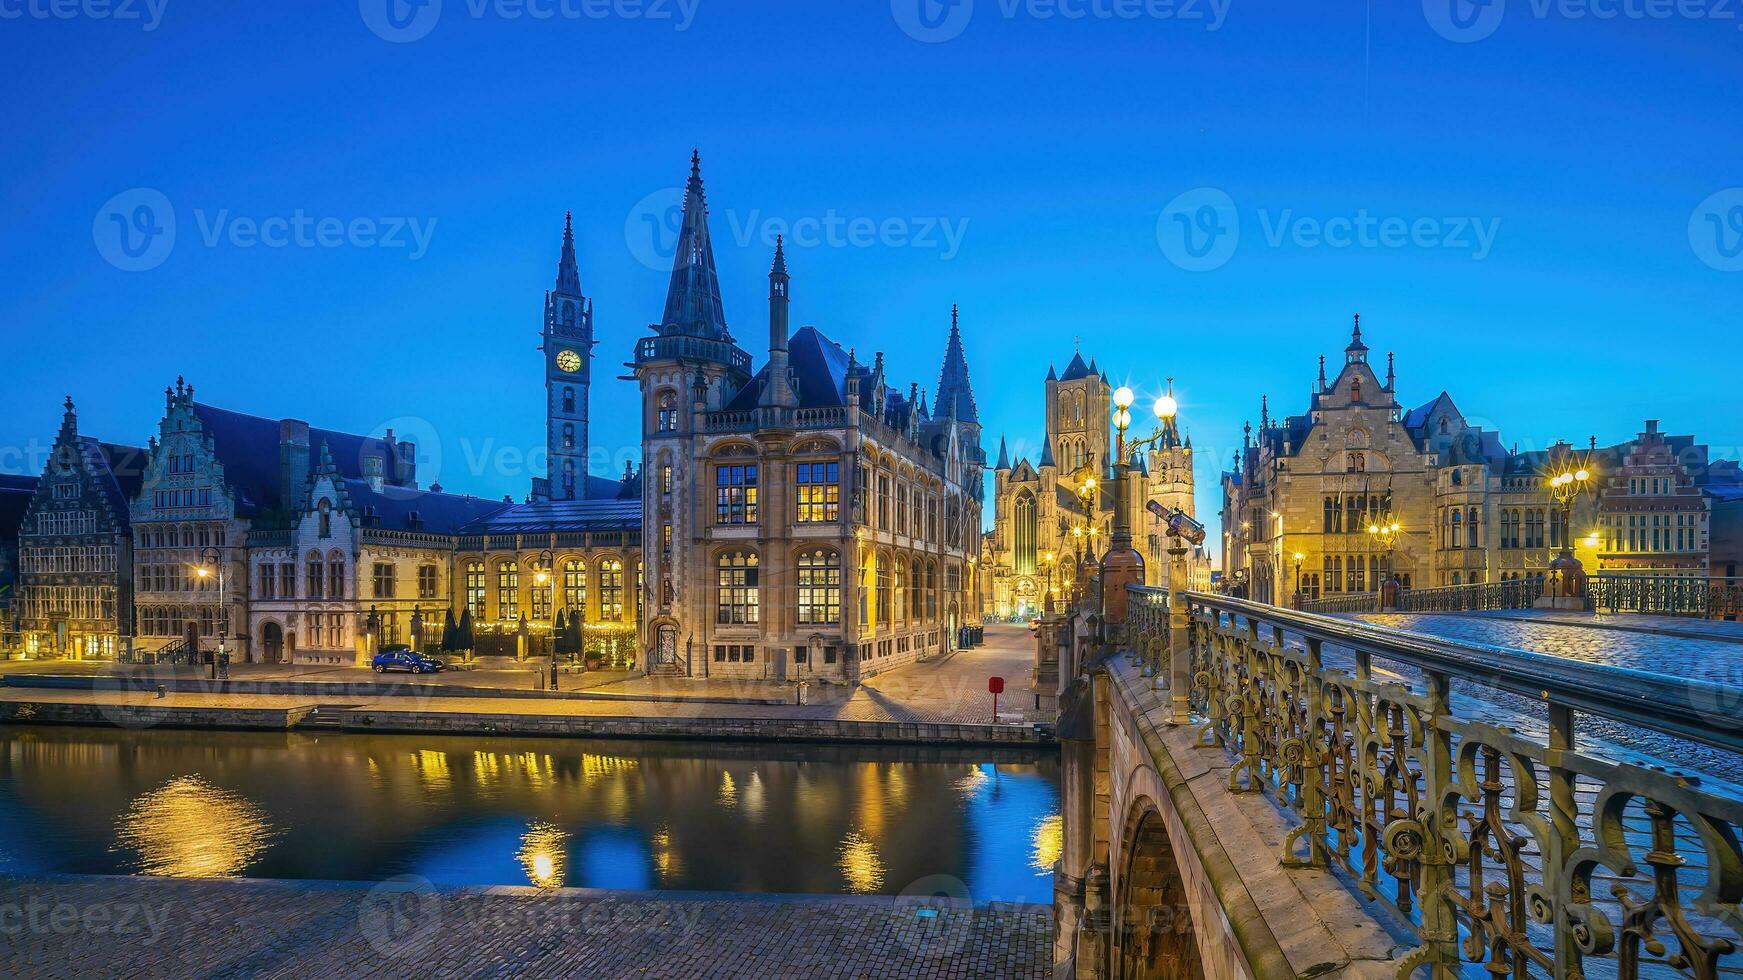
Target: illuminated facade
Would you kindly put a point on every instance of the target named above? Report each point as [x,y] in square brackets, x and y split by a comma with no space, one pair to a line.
[75,570]
[808,520]
[1052,507]
[1306,489]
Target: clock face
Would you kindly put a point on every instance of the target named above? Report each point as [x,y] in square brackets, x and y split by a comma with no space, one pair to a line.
[568,361]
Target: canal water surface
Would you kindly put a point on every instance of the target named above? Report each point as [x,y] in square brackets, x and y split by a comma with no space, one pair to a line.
[752,817]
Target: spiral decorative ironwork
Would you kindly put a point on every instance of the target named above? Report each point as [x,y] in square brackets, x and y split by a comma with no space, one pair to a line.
[1516,856]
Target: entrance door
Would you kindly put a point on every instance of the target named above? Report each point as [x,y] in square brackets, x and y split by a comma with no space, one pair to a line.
[666,649]
[950,629]
[272,641]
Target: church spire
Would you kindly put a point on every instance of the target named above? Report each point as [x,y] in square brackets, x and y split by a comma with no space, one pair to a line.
[955,395]
[1004,456]
[568,272]
[1357,351]
[693,297]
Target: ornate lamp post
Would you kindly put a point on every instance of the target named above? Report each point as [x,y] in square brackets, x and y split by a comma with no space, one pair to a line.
[212,566]
[1296,559]
[543,578]
[1047,558]
[1566,486]
[1385,532]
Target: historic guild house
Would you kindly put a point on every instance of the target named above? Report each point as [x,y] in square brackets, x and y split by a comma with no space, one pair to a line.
[807,518]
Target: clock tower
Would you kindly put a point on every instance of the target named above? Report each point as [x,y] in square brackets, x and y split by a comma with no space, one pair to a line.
[568,349]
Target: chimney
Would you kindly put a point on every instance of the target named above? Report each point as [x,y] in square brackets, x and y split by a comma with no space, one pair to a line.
[1652,427]
[293,460]
[372,471]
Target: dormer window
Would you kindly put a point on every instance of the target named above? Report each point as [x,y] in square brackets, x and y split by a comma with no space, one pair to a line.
[1355,389]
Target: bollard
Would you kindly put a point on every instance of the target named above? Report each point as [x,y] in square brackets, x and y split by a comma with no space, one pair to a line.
[160,692]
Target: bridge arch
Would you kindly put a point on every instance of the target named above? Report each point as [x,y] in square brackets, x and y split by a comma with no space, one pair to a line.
[1154,935]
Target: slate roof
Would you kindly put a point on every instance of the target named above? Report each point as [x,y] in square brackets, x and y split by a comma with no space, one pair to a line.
[693,296]
[436,513]
[819,367]
[955,397]
[1076,370]
[120,472]
[561,515]
[248,446]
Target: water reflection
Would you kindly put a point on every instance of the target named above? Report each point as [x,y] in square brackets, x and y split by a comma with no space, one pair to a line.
[549,812]
[189,828]
[544,855]
[1048,841]
[860,865]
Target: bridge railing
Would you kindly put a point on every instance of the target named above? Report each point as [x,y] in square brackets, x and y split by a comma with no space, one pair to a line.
[1712,598]
[1519,593]
[1520,852]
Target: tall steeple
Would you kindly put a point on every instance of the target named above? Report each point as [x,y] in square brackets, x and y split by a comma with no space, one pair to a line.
[955,395]
[568,349]
[693,298]
[1004,455]
[1357,351]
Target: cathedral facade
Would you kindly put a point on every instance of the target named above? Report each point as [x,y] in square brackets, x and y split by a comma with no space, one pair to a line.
[1053,516]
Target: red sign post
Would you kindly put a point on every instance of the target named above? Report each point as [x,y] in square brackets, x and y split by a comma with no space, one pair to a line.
[996,686]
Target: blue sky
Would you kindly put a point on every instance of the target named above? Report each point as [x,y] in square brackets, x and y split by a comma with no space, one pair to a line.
[1031,166]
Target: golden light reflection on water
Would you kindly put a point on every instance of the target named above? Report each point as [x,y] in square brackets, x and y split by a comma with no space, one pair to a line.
[860,864]
[666,859]
[544,855]
[1048,840]
[599,766]
[432,769]
[971,783]
[188,828]
[728,796]
[753,797]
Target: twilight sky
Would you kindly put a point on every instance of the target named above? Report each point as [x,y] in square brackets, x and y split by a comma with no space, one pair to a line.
[1536,205]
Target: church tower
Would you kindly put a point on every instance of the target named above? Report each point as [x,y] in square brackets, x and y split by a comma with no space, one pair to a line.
[568,348]
[1079,405]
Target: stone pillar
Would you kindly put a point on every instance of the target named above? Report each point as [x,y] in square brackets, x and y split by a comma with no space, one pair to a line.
[1071,915]
[1122,565]
[1179,638]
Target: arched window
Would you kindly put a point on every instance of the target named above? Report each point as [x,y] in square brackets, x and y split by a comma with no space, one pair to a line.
[1079,418]
[737,600]
[1024,530]
[575,587]
[475,588]
[932,591]
[611,589]
[1445,427]
[568,400]
[569,475]
[1473,531]
[507,590]
[1331,513]
[899,598]
[886,612]
[568,435]
[1458,521]
[916,590]
[819,579]
[667,419]
[335,575]
[1064,408]
[316,574]
[1355,389]
[326,518]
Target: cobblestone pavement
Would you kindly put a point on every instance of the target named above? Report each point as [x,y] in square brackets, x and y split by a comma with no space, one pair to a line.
[948,690]
[156,927]
[1591,639]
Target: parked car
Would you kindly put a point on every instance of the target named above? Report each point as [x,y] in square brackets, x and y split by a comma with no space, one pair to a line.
[407,659]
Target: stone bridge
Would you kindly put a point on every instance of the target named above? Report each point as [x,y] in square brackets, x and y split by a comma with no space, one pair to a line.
[1251,791]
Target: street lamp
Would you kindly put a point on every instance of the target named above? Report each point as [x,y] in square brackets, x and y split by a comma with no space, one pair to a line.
[1297,558]
[543,578]
[1566,486]
[212,566]
[1385,532]
[1047,596]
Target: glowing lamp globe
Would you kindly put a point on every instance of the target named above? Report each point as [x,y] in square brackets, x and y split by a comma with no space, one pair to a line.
[1123,397]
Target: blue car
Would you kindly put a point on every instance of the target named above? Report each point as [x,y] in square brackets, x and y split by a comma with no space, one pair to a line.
[407,659]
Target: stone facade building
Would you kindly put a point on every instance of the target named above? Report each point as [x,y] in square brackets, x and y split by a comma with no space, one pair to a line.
[75,568]
[1468,509]
[16,493]
[1052,508]
[807,520]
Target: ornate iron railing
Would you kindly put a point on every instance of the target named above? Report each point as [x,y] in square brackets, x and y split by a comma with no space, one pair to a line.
[1713,598]
[1345,602]
[1518,593]
[1512,855]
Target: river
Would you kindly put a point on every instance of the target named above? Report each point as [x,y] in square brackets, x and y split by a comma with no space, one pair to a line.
[981,824]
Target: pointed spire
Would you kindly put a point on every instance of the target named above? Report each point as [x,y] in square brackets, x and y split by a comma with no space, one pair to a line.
[568,271]
[1357,350]
[1391,369]
[1322,372]
[1004,456]
[1052,375]
[1076,370]
[1047,453]
[1264,413]
[780,266]
[693,296]
[955,394]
